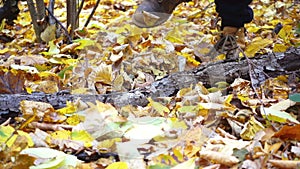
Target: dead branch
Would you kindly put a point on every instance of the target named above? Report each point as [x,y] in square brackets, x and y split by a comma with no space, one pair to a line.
[271,64]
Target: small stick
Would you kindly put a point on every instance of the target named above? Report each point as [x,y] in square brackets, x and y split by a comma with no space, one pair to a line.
[65,30]
[92,13]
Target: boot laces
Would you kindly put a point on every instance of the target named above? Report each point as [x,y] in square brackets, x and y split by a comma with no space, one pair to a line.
[228,46]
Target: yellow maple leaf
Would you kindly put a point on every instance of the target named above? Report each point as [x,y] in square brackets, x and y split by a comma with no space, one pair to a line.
[280,47]
[257,45]
[285,33]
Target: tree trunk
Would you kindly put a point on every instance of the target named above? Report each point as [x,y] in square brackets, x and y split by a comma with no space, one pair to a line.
[71,16]
[37,13]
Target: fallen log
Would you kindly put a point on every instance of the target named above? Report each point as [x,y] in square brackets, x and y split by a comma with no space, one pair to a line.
[272,65]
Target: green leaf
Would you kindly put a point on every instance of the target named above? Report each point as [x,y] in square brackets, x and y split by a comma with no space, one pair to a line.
[174,123]
[188,109]
[53,50]
[56,159]
[159,166]
[84,43]
[61,74]
[5,133]
[161,109]
[42,152]
[298,29]
[295,97]
[277,115]
[240,153]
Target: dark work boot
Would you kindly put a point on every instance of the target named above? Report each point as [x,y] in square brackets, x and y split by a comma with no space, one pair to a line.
[151,13]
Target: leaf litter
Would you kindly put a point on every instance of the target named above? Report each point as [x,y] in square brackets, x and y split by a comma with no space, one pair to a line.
[198,127]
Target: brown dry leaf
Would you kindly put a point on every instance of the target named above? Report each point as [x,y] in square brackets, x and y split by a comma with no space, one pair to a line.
[12,82]
[49,126]
[219,158]
[38,109]
[102,116]
[279,88]
[70,47]
[225,145]
[103,74]
[241,86]
[46,86]
[194,136]
[29,60]
[285,164]
[274,148]
[289,133]
[267,134]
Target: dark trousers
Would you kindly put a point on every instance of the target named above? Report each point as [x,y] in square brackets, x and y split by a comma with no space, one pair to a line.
[234,12]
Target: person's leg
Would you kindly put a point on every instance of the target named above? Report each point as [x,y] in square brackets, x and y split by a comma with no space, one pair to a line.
[151,13]
[234,14]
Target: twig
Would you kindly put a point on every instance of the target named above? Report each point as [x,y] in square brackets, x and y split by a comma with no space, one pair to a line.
[51,10]
[256,93]
[92,13]
[79,10]
[60,24]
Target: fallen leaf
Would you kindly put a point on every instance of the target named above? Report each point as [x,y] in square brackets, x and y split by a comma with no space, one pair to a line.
[289,132]
[277,115]
[219,158]
[257,45]
[189,164]
[50,158]
[12,82]
[117,165]
[251,128]
[49,33]
[285,164]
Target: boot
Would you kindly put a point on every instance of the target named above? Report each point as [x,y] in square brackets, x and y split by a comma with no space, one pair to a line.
[151,13]
[237,33]
[230,40]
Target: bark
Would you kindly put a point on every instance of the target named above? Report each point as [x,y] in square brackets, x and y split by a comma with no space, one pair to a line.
[37,13]
[71,16]
[272,65]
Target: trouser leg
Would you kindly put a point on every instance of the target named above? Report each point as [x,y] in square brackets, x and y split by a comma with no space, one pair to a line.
[234,13]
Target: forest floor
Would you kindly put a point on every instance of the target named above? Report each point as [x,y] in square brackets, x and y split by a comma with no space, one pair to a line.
[220,126]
